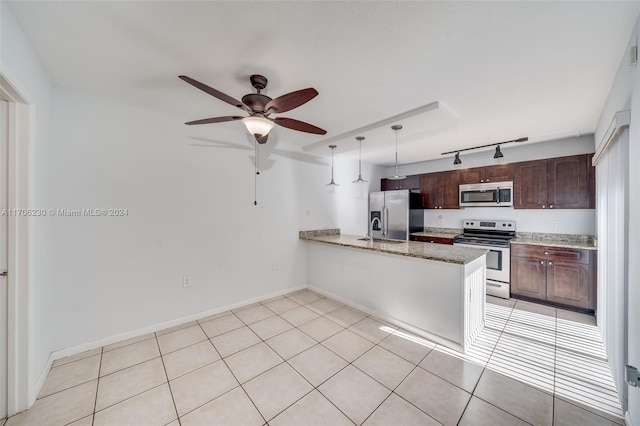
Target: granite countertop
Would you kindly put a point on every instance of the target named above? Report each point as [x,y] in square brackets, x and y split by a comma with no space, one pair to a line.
[437,252]
[585,242]
[438,232]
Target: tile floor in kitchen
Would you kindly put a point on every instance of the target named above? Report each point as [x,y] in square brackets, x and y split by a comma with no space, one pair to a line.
[304,359]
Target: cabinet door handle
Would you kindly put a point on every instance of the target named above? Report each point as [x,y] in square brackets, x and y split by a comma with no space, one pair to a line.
[542,262]
[544,207]
[488,180]
[546,252]
[481,180]
[550,206]
[550,263]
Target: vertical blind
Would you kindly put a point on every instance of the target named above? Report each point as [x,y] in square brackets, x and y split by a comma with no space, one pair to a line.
[612,194]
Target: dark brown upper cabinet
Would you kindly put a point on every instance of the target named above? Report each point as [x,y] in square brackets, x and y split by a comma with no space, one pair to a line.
[568,182]
[410,182]
[440,190]
[497,173]
[556,183]
[530,185]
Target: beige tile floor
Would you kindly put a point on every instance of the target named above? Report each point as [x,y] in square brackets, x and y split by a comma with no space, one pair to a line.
[307,360]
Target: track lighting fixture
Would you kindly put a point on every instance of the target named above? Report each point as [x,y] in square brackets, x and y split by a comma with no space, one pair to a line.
[360,180]
[332,183]
[498,153]
[457,160]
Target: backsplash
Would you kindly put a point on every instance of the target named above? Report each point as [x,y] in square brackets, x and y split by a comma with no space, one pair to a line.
[578,221]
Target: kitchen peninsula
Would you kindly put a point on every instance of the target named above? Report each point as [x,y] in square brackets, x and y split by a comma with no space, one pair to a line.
[436,291]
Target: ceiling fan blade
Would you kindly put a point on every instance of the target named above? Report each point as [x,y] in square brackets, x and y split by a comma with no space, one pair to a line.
[300,126]
[291,100]
[216,93]
[262,139]
[215,120]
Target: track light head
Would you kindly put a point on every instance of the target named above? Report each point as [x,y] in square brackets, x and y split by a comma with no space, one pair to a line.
[457,159]
[498,153]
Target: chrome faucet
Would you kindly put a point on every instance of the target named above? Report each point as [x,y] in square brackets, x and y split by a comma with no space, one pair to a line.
[371,227]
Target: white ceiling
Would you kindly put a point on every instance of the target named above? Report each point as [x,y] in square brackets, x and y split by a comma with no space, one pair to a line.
[500,70]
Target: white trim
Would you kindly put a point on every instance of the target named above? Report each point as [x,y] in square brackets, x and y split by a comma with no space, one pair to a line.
[621,119]
[627,419]
[159,326]
[19,358]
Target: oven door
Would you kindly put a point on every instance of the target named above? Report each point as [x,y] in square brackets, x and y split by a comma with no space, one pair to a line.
[498,269]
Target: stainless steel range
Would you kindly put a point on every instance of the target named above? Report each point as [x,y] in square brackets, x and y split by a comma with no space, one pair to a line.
[495,236]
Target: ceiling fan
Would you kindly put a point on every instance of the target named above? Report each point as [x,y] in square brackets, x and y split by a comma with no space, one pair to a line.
[259,107]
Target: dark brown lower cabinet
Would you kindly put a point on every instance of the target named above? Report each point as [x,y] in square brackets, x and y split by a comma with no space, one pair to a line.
[563,276]
[435,240]
[528,277]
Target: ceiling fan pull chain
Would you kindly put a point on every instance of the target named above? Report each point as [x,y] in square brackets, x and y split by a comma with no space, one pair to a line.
[255,177]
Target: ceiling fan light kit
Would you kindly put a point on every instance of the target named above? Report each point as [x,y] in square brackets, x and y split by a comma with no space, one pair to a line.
[258,126]
[396,176]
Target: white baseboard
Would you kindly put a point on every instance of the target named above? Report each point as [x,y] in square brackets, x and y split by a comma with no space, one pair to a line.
[33,394]
[63,353]
[627,419]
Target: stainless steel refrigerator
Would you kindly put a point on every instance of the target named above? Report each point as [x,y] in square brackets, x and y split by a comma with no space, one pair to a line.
[398,213]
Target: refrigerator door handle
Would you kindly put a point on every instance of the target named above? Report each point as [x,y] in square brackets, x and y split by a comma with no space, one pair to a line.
[385,231]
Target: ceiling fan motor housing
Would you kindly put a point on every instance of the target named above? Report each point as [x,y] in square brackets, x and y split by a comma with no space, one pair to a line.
[256,101]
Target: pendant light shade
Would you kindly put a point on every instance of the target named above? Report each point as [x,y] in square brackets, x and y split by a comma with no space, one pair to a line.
[360,180]
[457,159]
[258,126]
[332,183]
[498,153]
[396,176]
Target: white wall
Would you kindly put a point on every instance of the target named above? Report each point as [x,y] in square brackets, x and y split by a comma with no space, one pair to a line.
[566,221]
[22,68]
[191,212]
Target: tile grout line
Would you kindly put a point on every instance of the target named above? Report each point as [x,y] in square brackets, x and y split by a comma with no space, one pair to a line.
[95,402]
[486,364]
[393,391]
[234,376]
[164,367]
[356,367]
[483,371]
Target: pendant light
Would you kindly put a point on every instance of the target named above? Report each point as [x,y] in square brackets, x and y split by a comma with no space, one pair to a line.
[498,153]
[332,183]
[360,180]
[396,176]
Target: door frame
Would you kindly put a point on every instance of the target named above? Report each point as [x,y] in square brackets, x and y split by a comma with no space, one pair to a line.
[20,318]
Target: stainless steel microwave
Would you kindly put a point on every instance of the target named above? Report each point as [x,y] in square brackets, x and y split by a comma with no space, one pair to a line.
[493,194]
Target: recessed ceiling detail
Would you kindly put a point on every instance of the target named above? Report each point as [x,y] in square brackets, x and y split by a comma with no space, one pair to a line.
[420,123]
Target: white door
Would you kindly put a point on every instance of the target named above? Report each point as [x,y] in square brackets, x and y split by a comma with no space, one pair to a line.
[4,135]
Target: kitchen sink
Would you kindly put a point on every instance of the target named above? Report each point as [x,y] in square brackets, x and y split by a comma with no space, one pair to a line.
[383,240]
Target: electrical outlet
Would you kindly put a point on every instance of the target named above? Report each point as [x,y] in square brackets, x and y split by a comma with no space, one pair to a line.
[186,282]
[440,219]
[553,224]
